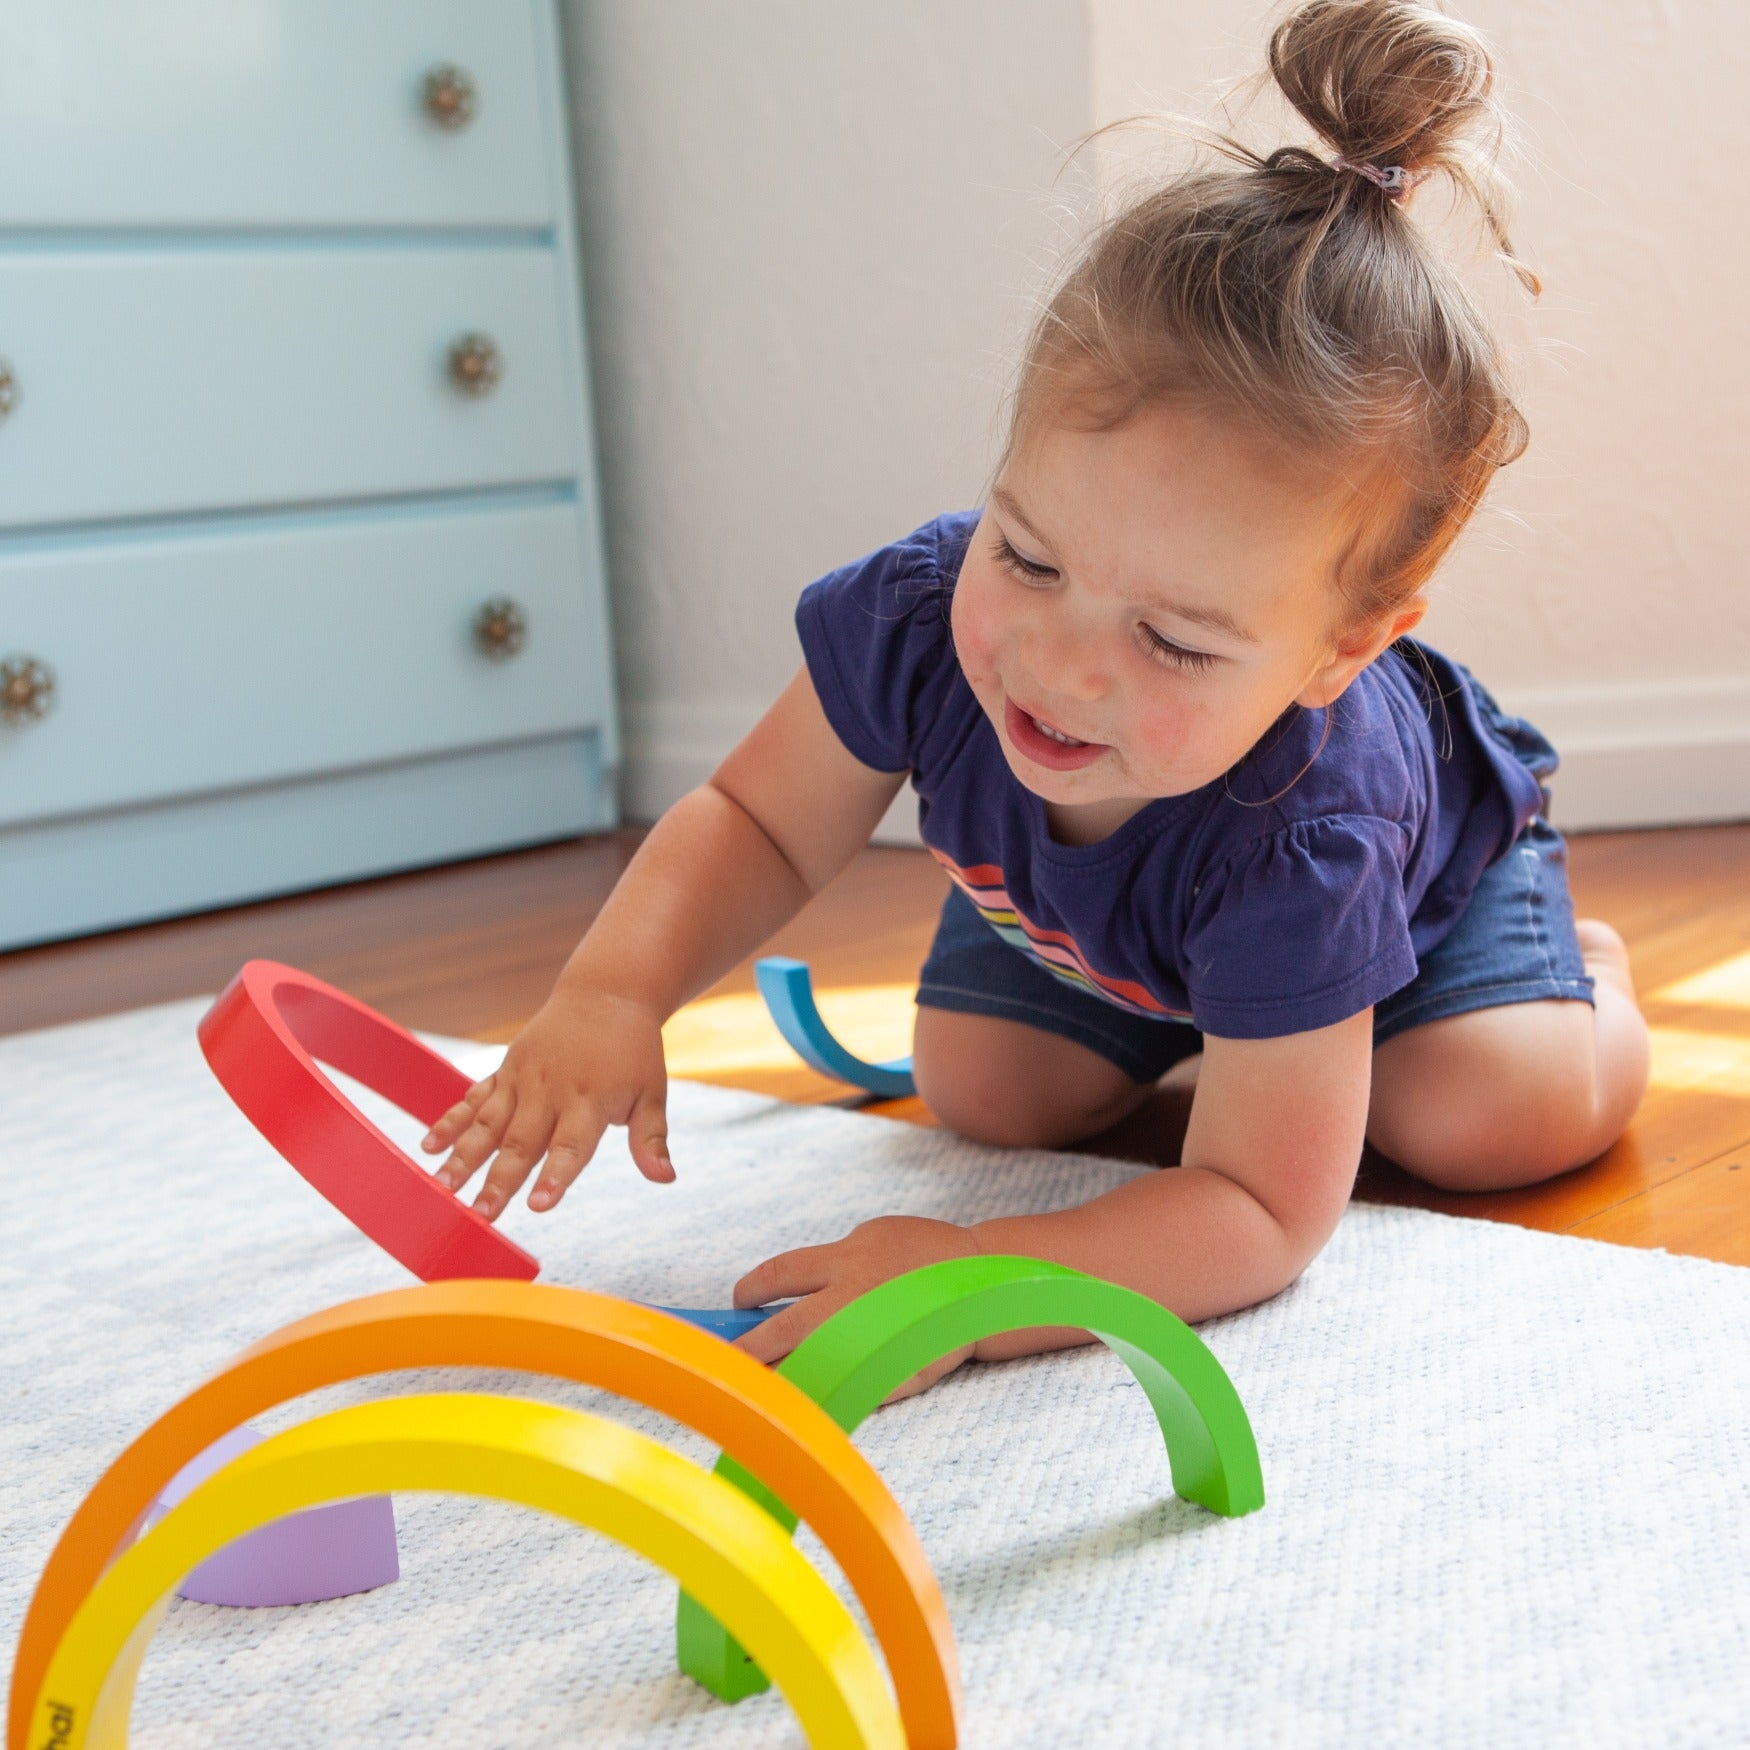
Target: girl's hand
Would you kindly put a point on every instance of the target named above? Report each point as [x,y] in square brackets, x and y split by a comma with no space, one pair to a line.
[587,1060]
[833,1276]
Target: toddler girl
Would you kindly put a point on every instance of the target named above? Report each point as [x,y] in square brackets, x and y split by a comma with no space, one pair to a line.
[1199,793]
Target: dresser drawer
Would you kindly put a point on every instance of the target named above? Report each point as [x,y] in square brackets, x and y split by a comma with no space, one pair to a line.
[152,382]
[190,662]
[110,111]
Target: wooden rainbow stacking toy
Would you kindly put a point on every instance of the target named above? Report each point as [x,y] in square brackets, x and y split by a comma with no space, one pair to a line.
[751,1607]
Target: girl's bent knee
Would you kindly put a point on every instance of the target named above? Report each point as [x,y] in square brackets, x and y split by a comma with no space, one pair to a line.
[1503,1098]
[984,1104]
[1009,1086]
[1499,1148]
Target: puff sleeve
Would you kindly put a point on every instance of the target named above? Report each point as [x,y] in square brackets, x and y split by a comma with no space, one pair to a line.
[1299,929]
[876,638]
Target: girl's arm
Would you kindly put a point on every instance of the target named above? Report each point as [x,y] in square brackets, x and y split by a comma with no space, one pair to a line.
[1268,1164]
[724,868]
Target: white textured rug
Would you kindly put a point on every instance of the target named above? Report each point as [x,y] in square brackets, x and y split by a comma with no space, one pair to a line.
[1508,1474]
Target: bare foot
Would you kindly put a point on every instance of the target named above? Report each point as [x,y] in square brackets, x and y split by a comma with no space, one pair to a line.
[1605,954]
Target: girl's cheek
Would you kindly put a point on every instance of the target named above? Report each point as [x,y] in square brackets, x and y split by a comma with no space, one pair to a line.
[1192,739]
[975,630]
[1165,732]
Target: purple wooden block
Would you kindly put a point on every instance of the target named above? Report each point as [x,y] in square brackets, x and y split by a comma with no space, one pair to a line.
[323,1552]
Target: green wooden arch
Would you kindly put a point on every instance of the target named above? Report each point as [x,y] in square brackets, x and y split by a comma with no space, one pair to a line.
[867,1350]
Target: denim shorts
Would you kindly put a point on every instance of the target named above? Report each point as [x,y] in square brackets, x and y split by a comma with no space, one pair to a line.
[1514,943]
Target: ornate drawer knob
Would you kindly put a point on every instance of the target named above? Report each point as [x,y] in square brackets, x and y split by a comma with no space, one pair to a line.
[476,364]
[450,97]
[8,389]
[27,689]
[501,628]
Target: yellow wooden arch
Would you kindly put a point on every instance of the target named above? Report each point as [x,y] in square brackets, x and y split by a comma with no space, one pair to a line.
[725,1551]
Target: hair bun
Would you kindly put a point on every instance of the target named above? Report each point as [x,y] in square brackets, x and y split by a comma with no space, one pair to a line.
[1389,82]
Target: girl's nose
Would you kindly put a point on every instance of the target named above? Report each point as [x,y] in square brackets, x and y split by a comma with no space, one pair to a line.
[1070,663]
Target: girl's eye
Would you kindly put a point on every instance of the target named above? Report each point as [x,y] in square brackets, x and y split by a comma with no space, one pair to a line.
[1028,570]
[1163,649]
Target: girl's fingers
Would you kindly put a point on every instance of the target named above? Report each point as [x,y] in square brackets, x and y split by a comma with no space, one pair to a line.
[518,1133]
[524,1144]
[473,1148]
[803,1271]
[647,1137]
[772,1341]
[459,1117]
[573,1146]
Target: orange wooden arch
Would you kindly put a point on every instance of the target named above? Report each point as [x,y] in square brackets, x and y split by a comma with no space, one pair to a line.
[759,1418]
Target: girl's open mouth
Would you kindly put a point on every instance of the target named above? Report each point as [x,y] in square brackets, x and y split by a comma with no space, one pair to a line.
[1045,744]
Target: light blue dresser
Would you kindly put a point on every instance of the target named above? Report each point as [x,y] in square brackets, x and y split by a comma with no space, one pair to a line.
[300,557]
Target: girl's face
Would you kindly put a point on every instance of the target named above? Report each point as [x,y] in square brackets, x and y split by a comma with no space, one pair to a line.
[1139,605]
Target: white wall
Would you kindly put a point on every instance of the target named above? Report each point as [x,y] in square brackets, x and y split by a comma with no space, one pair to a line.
[809,232]
[812,233]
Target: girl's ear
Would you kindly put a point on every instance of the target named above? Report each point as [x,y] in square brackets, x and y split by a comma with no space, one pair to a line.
[1355,650]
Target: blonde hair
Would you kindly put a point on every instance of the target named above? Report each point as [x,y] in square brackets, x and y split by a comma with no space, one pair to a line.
[1300,299]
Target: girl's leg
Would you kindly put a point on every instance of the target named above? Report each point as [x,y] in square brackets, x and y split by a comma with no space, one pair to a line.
[1013,1086]
[1502,1097]
[1008,1054]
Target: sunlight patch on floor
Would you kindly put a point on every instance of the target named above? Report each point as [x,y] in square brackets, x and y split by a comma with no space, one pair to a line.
[1724,985]
[732,1039]
[1686,1060]
[733,1034]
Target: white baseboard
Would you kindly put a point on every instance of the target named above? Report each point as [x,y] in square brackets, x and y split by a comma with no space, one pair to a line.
[671,749]
[1645,753]
[1634,753]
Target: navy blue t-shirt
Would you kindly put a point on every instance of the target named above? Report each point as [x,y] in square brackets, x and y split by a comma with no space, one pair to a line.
[1251,913]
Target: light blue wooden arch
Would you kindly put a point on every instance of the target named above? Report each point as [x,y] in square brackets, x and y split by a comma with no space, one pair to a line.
[789,994]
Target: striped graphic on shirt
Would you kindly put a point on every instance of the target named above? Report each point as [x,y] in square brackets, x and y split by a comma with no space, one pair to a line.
[1055,951]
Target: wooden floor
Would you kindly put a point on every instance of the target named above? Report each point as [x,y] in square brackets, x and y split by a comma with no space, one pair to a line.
[472,949]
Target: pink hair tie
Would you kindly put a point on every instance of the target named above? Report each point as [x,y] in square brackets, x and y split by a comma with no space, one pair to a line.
[1393,178]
